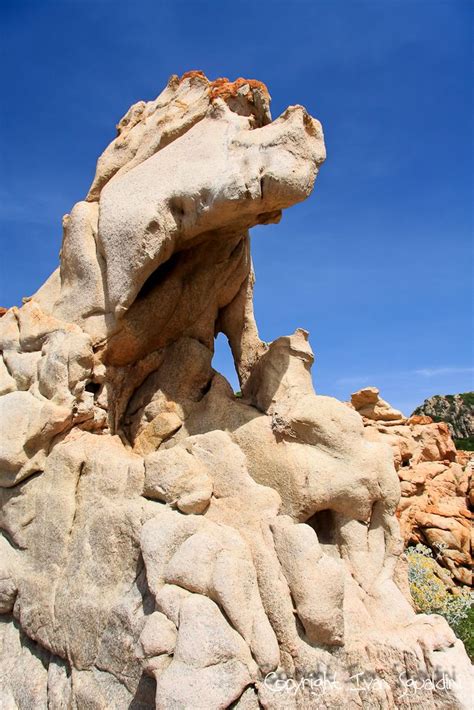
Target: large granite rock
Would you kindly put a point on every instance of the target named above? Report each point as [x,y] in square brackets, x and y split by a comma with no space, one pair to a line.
[163,541]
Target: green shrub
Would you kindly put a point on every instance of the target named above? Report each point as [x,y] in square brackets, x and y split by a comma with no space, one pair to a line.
[464,444]
[431,595]
[468,399]
[464,629]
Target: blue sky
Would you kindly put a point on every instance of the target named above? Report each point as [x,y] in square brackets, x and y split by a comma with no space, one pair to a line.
[377,263]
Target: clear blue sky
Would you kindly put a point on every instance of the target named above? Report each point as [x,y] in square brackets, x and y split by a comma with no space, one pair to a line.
[377,264]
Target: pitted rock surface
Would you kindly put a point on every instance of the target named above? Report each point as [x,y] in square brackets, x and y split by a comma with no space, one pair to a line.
[165,543]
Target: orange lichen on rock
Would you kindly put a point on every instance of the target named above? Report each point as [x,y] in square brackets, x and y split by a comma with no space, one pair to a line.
[223,88]
[194,73]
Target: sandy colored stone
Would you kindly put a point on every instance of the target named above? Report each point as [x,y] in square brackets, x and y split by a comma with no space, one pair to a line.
[164,542]
[176,477]
[28,425]
[211,663]
[7,383]
[306,568]
[158,636]
[24,366]
[369,404]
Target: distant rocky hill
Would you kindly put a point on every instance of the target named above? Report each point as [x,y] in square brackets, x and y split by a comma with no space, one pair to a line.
[457,410]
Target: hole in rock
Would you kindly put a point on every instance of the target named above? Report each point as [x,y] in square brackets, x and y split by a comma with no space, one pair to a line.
[223,361]
[324,525]
[160,274]
[93,387]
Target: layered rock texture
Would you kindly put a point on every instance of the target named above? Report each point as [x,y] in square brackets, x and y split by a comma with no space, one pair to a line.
[457,410]
[437,482]
[165,543]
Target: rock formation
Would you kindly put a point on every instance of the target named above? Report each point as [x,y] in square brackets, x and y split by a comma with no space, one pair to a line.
[457,410]
[164,542]
[437,482]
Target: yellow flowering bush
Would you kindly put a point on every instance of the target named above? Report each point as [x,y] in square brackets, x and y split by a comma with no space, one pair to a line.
[431,595]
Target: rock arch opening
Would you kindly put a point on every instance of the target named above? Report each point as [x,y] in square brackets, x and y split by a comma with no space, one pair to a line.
[223,361]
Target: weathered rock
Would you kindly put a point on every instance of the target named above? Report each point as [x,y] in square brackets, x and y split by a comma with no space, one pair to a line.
[158,636]
[211,665]
[368,403]
[165,543]
[174,476]
[7,383]
[28,426]
[306,569]
[8,573]
[436,489]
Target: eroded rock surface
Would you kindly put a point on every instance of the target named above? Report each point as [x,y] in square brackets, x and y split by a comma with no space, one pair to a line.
[165,543]
[436,481]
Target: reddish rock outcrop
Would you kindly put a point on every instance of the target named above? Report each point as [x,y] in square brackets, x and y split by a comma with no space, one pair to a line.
[436,481]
